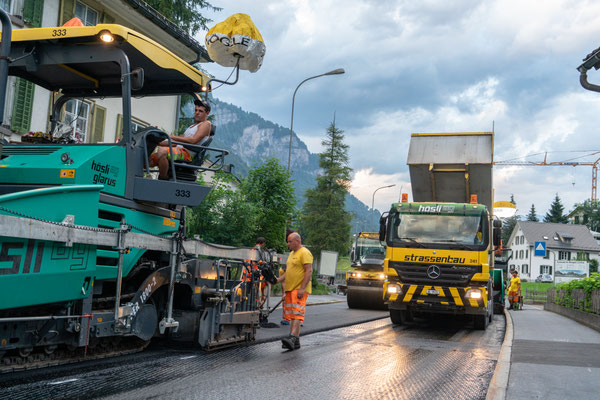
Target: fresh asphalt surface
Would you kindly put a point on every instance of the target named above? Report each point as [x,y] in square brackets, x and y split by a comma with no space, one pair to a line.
[429,359]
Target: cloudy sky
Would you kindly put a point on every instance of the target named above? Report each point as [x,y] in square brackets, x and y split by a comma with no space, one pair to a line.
[431,66]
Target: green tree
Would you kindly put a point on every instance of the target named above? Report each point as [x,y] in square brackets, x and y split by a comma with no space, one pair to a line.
[593,265]
[324,222]
[555,214]
[590,214]
[185,13]
[508,224]
[225,216]
[532,215]
[269,187]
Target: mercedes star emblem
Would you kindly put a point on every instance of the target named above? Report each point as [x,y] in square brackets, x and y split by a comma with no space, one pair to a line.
[433,272]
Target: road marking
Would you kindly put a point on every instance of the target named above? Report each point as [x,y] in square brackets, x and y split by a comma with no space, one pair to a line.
[65,381]
[187,357]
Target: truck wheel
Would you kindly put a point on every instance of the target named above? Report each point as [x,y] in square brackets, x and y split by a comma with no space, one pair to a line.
[400,317]
[481,321]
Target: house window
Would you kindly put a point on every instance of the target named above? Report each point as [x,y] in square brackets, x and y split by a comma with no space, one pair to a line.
[546,269]
[86,14]
[77,115]
[136,126]
[564,255]
[527,253]
[525,269]
[577,219]
[521,254]
[547,256]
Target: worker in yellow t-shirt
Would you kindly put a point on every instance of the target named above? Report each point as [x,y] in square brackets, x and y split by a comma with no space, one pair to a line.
[297,279]
[514,289]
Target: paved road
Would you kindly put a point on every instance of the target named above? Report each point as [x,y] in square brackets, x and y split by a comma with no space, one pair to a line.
[552,357]
[430,359]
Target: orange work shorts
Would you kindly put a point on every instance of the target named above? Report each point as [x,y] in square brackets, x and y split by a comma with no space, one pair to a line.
[513,297]
[179,154]
[294,307]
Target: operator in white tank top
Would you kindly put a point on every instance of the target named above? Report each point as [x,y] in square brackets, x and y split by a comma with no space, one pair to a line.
[192,135]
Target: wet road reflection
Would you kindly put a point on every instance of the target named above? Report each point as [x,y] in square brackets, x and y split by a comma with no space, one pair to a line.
[428,360]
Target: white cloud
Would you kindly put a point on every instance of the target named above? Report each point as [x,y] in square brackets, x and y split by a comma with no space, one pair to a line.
[365,182]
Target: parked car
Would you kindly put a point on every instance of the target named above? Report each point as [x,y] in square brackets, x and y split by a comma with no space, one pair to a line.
[544,278]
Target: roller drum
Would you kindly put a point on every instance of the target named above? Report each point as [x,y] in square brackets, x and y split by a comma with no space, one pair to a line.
[367,297]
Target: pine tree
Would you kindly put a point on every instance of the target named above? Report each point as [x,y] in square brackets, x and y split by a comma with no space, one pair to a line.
[324,223]
[532,215]
[555,214]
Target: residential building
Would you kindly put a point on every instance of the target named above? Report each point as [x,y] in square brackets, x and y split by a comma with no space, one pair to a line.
[568,250]
[94,120]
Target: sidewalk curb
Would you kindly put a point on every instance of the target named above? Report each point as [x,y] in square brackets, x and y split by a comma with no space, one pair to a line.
[499,384]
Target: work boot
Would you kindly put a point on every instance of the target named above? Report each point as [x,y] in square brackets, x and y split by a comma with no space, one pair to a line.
[291,343]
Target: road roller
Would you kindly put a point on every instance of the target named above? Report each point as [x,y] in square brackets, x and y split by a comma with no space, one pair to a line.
[365,280]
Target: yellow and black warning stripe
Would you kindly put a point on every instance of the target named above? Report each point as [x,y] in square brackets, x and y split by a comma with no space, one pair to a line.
[446,295]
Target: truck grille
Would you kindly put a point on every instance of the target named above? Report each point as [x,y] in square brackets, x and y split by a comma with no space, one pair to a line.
[450,274]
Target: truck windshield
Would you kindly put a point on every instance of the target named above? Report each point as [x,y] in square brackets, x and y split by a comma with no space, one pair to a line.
[369,248]
[466,232]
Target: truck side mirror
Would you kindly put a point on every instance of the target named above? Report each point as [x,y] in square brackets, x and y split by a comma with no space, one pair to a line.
[497,232]
[382,227]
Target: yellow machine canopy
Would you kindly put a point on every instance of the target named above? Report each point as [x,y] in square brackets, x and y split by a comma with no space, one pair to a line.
[91,60]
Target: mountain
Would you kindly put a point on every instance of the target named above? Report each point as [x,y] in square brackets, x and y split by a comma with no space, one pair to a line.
[250,139]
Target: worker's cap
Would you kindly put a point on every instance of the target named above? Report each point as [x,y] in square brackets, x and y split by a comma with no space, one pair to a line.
[199,101]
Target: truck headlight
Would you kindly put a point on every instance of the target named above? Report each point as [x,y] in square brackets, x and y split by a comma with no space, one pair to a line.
[473,294]
[393,288]
[381,276]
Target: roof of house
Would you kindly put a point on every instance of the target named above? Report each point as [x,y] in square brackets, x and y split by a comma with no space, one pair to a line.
[581,237]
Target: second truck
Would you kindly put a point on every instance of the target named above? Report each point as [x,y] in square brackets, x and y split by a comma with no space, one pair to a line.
[439,257]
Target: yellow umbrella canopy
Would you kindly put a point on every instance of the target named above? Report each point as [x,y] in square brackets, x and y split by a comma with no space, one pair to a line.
[504,209]
[236,38]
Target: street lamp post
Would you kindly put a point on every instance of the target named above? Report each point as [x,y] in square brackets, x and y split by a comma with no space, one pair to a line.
[334,72]
[373,200]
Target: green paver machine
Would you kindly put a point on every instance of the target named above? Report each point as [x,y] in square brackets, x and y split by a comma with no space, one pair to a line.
[94,259]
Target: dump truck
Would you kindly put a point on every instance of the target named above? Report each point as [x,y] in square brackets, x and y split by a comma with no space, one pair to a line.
[364,282]
[439,257]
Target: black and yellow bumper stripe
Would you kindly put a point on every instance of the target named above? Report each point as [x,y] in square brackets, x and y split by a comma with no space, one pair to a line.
[446,295]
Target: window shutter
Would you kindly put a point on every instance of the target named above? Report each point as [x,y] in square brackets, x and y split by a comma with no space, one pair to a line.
[119,133]
[98,124]
[68,10]
[22,105]
[32,12]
